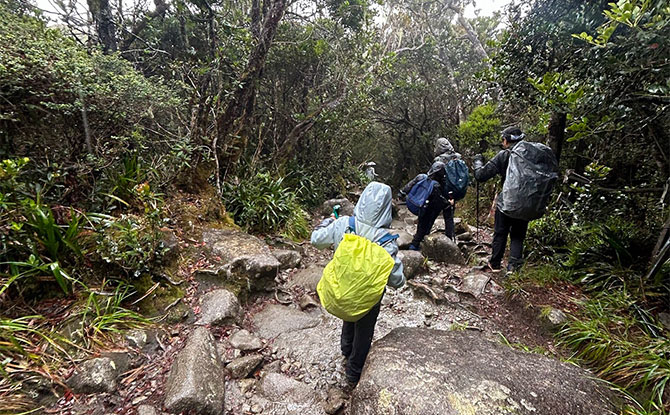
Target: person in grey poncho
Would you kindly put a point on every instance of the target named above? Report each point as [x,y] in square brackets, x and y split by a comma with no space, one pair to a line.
[503,225]
[372,221]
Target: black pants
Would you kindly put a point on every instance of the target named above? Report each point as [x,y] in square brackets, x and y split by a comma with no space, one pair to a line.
[516,229]
[355,342]
[427,219]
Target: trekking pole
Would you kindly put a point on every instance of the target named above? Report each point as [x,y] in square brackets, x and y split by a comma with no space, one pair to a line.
[477,212]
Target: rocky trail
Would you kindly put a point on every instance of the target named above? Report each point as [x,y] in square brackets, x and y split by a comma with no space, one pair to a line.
[254,340]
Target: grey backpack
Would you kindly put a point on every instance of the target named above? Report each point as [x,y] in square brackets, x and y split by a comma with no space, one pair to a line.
[531,173]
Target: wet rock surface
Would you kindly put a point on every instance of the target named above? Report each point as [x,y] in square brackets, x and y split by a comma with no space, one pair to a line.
[245,341]
[277,319]
[424,371]
[439,247]
[196,380]
[285,347]
[238,254]
[219,307]
[287,258]
[95,375]
[413,263]
[307,278]
[243,366]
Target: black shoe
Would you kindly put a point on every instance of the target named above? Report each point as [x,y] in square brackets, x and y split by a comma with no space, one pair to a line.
[491,268]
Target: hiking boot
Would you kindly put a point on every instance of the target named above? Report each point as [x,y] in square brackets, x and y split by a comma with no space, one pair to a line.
[511,269]
[491,268]
[350,385]
[413,248]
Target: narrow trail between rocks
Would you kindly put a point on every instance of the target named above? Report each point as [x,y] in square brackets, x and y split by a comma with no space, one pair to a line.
[281,349]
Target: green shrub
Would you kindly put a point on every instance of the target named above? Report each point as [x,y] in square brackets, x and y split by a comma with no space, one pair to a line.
[132,243]
[481,131]
[263,203]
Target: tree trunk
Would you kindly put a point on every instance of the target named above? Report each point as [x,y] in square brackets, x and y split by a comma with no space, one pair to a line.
[231,121]
[300,130]
[454,86]
[472,35]
[256,18]
[105,27]
[557,133]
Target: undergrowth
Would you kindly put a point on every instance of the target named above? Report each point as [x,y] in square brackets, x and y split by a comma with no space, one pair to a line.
[55,308]
[262,203]
[624,344]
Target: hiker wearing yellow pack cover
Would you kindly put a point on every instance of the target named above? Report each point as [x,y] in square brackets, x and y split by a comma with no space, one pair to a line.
[359,271]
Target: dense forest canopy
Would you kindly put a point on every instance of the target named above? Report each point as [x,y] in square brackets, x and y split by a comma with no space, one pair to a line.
[113,109]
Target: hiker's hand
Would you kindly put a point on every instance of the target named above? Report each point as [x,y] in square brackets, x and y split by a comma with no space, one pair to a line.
[452,202]
[326,222]
[478,161]
[332,216]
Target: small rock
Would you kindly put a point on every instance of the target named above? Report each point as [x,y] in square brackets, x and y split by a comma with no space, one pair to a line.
[138,400]
[334,402]
[219,307]
[554,318]
[495,288]
[245,341]
[404,238]
[272,367]
[307,278]
[243,366]
[466,236]
[287,258]
[236,254]
[306,301]
[413,263]
[256,409]
[474,284]
[439,247]
[247,385]
[137,338]
[95,376]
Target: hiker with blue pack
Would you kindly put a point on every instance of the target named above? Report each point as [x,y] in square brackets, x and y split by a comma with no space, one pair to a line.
[354,281]
[529,171]
[437,191]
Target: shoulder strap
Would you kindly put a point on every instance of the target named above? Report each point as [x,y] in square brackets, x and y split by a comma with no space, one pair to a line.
[352,223]
[386,238]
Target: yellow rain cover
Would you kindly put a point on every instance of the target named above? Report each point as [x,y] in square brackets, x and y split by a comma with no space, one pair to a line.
[354,280]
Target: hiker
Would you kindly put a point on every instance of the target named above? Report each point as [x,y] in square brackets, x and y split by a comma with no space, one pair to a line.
[444,152]
[372,219]
[523,197]
[370,171]
[438,201]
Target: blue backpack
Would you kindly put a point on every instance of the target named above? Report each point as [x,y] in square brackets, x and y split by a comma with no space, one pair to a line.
[457,178]
[417,197]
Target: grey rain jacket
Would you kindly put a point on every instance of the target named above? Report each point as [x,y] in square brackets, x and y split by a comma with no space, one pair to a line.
[373,219]
[444,151]
[496,166]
